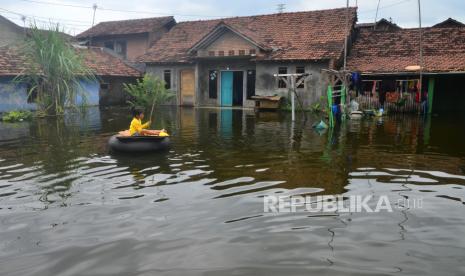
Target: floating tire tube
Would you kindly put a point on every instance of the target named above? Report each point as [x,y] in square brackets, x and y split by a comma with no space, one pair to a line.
[138,143]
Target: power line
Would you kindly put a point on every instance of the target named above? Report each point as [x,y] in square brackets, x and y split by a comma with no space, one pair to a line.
[31,19]
[48,18]
[384,7]
[116,10]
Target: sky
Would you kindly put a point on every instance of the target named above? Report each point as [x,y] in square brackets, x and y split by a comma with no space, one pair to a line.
[76,16]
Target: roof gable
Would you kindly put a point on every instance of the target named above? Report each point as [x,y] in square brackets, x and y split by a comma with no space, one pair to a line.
[311,35]
[132,26]
[217,32]
[381,25]
[449,23]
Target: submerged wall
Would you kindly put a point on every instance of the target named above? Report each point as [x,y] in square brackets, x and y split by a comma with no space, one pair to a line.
[13,96]
[158,70]
[266,84]
[91,91]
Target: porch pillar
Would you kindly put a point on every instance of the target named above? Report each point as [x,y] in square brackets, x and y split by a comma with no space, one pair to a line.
[430,94]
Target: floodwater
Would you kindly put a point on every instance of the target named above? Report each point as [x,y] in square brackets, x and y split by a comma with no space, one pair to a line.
[69,207]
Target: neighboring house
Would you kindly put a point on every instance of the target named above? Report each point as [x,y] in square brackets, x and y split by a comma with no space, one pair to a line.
[128,38]
[227,61]
[10,33]
[111,73]
[380,25]
[449,23]
[389,61]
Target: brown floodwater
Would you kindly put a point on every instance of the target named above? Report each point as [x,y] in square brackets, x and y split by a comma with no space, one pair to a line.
[70,207]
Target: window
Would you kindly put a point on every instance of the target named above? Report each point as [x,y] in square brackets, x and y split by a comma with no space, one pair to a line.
[211,53]
[252,52]
[300,70]
[104,86]
[220,53]
[242,52]
[281,83]
[167,78]
[231,52]
[120,48]
[109,45]
[212,84]
[250,83]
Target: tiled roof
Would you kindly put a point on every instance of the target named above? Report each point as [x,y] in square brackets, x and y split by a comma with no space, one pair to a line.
[448,23]
[11,64]
[392,51]
[133,26]
[103,63]
[312,35]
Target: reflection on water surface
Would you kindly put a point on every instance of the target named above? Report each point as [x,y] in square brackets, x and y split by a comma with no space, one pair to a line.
[69,207]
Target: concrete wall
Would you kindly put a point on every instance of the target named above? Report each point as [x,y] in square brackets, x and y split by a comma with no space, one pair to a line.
[13,96]
[136,44]
[221,65]
[267,84]
[226,42]
[114,94]
[91,91]
[157,70]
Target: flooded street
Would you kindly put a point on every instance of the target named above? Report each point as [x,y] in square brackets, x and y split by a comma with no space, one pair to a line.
[69,207]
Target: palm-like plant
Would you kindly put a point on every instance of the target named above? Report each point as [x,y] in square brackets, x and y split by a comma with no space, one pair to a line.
[54,70]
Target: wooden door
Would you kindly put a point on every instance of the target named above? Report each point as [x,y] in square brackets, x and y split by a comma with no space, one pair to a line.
[187,87]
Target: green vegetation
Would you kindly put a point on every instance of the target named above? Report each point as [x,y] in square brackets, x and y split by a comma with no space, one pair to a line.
[316,107]
[54,70]
[17,116]
[319,106]
[150,91]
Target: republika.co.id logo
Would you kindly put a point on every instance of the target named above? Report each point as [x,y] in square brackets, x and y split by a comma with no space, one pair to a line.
[337,203]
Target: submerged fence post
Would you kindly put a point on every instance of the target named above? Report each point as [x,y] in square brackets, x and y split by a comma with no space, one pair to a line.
[330,106]
[293,97]
[430,94]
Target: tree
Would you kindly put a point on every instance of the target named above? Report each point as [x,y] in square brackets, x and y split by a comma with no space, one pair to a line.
[54,70]
[151,91]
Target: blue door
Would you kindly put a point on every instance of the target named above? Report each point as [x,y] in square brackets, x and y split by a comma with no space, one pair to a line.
[226,88]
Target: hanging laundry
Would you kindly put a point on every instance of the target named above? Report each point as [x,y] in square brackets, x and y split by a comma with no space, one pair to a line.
[357,82]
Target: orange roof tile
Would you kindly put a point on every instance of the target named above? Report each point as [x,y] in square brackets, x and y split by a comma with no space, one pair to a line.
[392,51]
[311,35]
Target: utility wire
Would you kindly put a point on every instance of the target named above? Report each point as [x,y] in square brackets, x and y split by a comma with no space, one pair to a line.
[49,18]
[116,10]
[384,7]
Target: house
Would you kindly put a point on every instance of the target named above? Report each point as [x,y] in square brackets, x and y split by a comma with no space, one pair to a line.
[111,73]
[225,62]
[449,23]
[389,62]
[380,25]
[10,33]
[128,38]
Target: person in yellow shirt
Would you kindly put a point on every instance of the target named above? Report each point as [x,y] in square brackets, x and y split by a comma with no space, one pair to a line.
[138,129]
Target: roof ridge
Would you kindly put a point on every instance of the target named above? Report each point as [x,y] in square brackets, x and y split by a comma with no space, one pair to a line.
[267,15]
[136,19]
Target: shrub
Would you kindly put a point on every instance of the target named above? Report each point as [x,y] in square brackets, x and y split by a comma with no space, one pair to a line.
[148,91]
[17,116]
